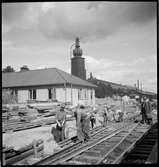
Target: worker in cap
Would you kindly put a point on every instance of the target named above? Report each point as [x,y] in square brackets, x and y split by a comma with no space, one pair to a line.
[148,109]
[143,112]
[105,115]
[61,122]
[92,119]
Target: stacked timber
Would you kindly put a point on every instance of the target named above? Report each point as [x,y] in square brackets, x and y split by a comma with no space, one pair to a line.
[13,156]
[17,126]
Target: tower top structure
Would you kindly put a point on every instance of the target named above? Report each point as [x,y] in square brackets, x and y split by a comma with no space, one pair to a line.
[77,51]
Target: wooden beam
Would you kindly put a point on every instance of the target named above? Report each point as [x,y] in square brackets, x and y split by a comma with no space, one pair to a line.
[23,155]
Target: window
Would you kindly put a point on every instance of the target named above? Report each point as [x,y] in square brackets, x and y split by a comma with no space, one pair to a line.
[49,94]
[82,94]
[86,94]
[53,93]
[12,92]
[16,95]
[32,94]
[91,94]
[78,94]
[16,92]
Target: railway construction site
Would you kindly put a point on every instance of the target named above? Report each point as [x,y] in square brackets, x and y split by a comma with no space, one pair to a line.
[27,139]
[79,83]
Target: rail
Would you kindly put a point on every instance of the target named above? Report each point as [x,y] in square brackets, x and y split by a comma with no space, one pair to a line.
[75,150]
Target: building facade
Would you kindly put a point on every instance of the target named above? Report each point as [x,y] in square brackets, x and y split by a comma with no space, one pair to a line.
[49,85]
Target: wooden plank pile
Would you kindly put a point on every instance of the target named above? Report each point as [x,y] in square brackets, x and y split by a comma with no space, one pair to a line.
[17,126]
[25,121]
[11,156]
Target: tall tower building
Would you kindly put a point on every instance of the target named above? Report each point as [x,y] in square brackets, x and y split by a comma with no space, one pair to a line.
[78,62]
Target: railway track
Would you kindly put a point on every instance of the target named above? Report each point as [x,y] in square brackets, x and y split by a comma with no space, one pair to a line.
[15,158]
[73,142]
[93,131]
[140,153]
[105,146]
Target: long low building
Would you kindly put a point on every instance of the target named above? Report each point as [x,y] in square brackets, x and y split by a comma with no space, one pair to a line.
[49,84]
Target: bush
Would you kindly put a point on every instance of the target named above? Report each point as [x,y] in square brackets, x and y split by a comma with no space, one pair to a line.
[8,97]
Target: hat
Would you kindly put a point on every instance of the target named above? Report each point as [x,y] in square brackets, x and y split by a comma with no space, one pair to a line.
[144,97]
[62,105]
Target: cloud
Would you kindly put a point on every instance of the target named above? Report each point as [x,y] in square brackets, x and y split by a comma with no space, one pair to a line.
[104,67]
[124,72]
[142,12]
[91,60]
[100,64]
[119,36]
[129,11]
[93,20]
[13,11]
[89,20]
[19,15]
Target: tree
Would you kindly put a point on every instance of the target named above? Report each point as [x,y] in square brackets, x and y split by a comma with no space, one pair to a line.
[109,90]
[8,97]
[24,68]
[99,91]
[120,92]
[8,69]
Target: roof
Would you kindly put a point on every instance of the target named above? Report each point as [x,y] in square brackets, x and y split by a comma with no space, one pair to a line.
[41,77]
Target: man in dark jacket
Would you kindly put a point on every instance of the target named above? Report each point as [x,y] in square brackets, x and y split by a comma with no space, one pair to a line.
[92,119]
[148,109]
[143,110]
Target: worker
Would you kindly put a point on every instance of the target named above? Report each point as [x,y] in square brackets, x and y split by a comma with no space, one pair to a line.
[115,117]
[92,120]
[123,103]
[105,115]
[82,123]
[120,118]
[137,98]
[148,109]
[61,122]
[143,112]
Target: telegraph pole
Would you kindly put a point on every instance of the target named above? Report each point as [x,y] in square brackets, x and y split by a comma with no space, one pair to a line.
[71,70]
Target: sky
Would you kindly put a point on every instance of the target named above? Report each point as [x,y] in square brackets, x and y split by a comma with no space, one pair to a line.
[118,39]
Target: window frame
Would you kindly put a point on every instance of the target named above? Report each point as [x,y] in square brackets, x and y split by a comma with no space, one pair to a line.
[32,94]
